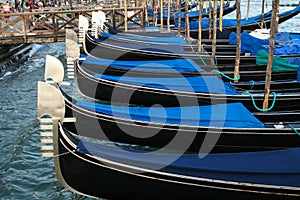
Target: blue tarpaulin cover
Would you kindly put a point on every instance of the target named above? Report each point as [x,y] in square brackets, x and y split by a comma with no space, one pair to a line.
[276,167]
[249,44]
[205,84]
[170,48]
[286,48]
[220,115]
[175,40]
[284,45]
[174,65]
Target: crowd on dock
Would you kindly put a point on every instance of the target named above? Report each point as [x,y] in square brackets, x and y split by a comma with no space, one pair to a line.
[22,6]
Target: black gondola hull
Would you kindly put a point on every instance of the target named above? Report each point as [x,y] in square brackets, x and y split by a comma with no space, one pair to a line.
[104,179]
[123,93]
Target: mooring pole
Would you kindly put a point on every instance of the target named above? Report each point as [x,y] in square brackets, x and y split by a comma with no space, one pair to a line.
[275,4]
[169,12]
[146,13]
[200,25]
[161,16]
[214,41]
[187,22]
[210,21]
[248,9]
[262,14]
[238,40]
[125,14]
[221,15]
[179,17]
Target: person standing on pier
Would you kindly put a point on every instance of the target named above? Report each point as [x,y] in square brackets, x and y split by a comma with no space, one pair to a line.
[25,6]
[7,9]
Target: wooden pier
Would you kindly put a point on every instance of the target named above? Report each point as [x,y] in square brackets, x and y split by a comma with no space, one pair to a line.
[50,26]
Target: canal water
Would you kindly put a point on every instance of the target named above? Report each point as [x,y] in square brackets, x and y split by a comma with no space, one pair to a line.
[24,174]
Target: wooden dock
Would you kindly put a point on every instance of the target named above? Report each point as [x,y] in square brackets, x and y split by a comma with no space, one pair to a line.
[50,26]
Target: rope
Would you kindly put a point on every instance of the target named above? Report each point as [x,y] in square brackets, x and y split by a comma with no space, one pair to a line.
[252,84]
[216,61]
[204,63]
[262,110]
[294,129]
[221,73]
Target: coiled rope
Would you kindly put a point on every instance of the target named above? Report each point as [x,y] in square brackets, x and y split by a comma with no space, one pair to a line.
[262,110]
[252,84]
[224,75]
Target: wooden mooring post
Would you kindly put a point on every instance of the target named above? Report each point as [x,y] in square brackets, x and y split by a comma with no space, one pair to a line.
[50,26]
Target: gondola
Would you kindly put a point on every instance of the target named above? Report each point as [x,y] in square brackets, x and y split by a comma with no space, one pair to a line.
[129,51]
[182,7]
[113,50]
[217,128]
[168,91]
[251,43]
[246,25]
[101,171]
[194,15]
[186,68]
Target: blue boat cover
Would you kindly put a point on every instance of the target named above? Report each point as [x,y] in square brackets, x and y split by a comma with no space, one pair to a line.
[284,45]
[220,115]
[286,48]
[171,40]
[294,36]
[276,167]
[204,84]
[170,48]
[193,14]
[174,65]
[294,61]
[282,37]
[249,44]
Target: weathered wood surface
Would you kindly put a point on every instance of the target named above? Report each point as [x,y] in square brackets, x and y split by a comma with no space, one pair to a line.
[50,26]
